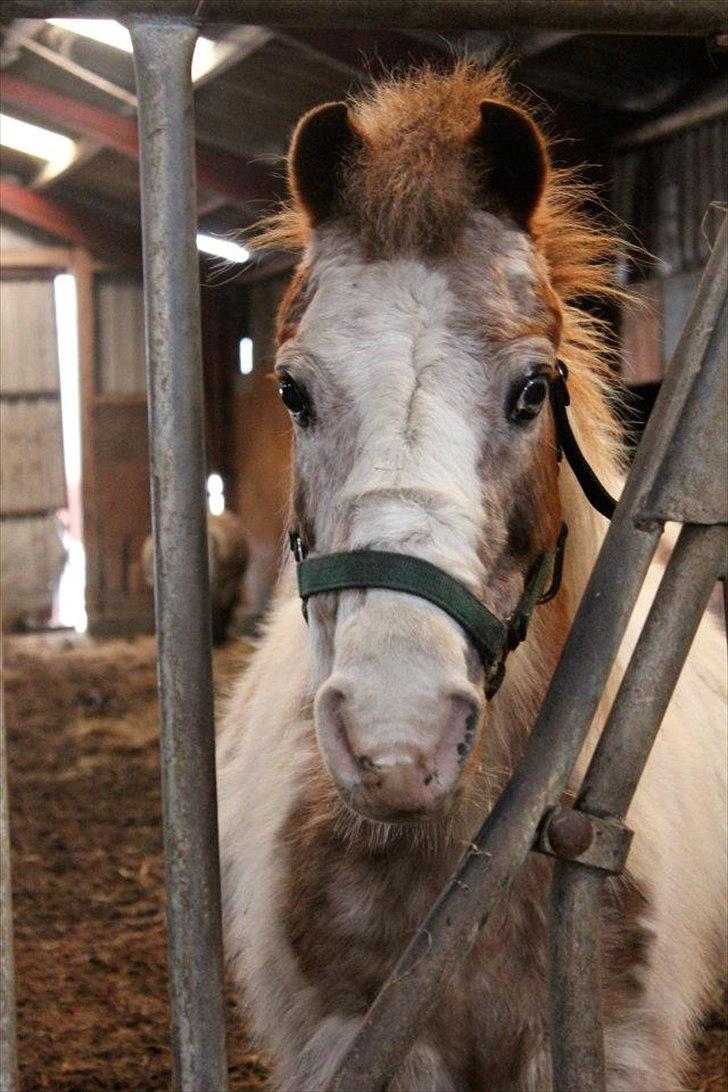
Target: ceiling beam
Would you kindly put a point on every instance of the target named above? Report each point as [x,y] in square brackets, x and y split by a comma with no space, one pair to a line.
[27,41]
[75,224]
[220,172]
[697,17]
[711,109]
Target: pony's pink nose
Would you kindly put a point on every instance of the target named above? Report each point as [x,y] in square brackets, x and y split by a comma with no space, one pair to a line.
[394,771]
[400,780]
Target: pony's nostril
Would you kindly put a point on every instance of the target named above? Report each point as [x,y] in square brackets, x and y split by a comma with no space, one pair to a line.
[332,734]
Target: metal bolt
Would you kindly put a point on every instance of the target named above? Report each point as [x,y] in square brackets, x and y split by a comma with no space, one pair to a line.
[569,832]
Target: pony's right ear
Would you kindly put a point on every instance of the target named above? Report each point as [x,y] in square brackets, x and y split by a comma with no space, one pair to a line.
[322,142]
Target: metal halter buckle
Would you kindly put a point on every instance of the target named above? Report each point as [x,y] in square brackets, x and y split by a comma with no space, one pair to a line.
[297,548]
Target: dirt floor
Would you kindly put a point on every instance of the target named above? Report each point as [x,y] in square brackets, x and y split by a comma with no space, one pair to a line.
[89,900]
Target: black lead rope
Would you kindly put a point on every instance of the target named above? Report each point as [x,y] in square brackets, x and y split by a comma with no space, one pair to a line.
[593,489]
[492,638]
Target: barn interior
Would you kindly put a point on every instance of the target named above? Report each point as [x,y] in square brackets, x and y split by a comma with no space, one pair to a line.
[646,117]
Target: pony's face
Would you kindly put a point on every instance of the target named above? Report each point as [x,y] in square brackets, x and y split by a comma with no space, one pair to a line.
[418,391]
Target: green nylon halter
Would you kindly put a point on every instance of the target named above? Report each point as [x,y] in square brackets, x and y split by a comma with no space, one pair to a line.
[492,638]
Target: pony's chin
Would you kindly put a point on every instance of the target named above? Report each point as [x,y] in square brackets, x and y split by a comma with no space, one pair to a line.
[357,803]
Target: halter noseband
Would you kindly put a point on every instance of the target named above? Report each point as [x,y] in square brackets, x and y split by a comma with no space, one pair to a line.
[492,638]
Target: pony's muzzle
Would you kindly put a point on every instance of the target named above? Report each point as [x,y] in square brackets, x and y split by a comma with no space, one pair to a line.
[395,768]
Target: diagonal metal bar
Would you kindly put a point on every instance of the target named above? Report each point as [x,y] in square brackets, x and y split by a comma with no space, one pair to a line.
[162,59]
[445,938]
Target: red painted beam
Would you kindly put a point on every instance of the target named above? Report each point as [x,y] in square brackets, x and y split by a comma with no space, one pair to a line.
[81,226]
[222,173]
[88,121]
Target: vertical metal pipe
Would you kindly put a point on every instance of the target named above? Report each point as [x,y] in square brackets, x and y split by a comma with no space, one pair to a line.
[577,1048]
[577,1042]
[162,57]
[8,1038]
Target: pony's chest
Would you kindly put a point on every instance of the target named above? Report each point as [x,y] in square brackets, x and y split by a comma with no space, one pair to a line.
[348,919]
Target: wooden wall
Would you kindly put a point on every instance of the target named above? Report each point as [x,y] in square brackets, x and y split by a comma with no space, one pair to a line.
[32,480]
[116,450]
[260,440]
[247,432]
[671,192]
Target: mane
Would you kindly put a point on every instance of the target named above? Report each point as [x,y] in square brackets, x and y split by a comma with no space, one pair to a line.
[412,184]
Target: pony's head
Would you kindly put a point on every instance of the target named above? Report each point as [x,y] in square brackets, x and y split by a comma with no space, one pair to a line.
[415,347]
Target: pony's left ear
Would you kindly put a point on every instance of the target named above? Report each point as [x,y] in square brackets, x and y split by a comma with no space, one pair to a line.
[511,158]
[322,142]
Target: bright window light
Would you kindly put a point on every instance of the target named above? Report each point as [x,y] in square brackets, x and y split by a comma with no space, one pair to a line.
[71,594]
[106,31]
[222,248]
[204,58]
[246,355]
[111,33]
[215,495]
[36,141]
[64,292]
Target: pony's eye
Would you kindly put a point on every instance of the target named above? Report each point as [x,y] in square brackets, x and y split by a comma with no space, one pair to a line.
[527,398]
[296,400]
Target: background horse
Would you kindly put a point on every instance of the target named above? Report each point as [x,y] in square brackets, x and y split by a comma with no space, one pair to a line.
[443,258]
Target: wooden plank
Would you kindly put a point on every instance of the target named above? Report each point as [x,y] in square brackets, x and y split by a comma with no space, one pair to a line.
[641,342]
[28,341]
[53,258]
[121,433]
[125,603]
[121,342]
[135,398]
[31,456]
[31,562]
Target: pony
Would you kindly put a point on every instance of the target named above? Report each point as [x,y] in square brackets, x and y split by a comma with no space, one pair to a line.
[228,559]
[445,261]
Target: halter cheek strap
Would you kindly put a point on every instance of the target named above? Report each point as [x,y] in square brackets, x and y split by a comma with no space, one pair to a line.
[492,637]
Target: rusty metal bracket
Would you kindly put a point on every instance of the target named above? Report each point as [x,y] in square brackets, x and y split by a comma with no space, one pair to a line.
[574,835]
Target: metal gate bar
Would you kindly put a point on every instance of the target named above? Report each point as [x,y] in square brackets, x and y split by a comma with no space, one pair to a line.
[448,933]
[587,16]
[162,58]
[8,1037]
[577,1046]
